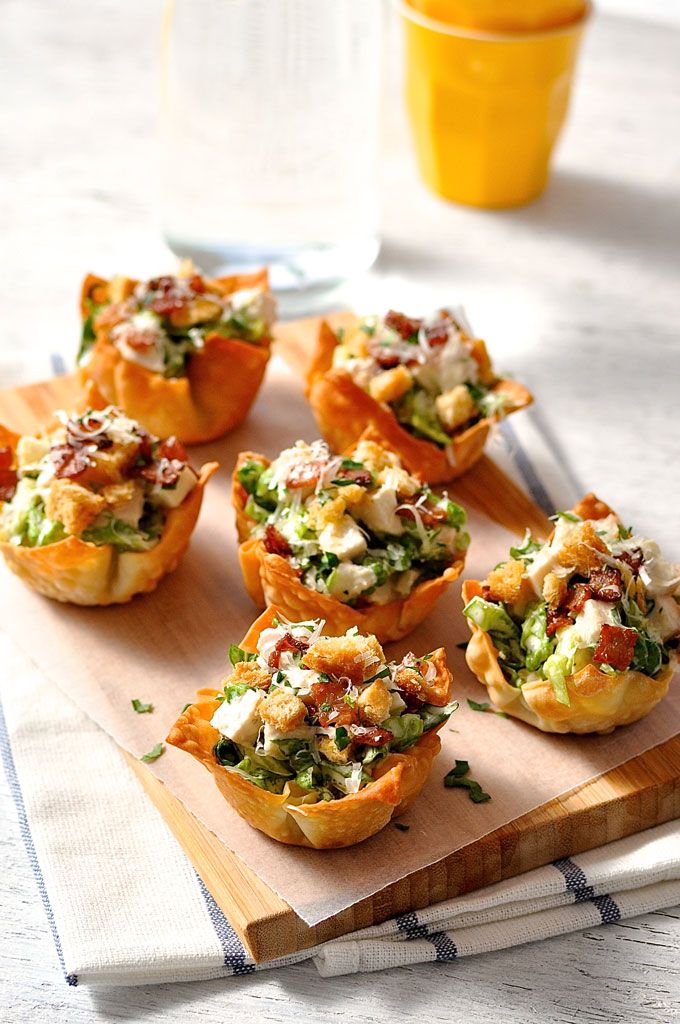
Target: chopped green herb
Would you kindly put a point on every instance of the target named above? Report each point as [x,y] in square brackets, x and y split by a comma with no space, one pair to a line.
[571,516]
[455,779]
[141,708]
[186,706]
[237,654]
[342,737]
[154,753]
[483,706]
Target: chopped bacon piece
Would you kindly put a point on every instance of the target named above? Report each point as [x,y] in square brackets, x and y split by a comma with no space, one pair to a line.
[357,476]
[6,458]
[171,448]
[429,516]
[556,619]
[304,474]
[69,461]
[577,595]
[331,706]
[405,326]
[288,642]
[438,333]
[171,295]
[197,284]
[633,559]
[606,583]
[8,480]
[371,736]
[385,359]
[165,472]
[616,646]
[276,543]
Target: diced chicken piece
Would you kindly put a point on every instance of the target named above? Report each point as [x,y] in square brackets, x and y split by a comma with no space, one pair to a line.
[272,736]
[658,574]
[356,657]
[379,511]
[126,500]
[664,622]
[172,497]
[331,751]
[595,615]
[283,711]
[349,580]
[390,385]
[455,407]
[73,506]
[343,539]
[239,720]
[31,450]
[374,702]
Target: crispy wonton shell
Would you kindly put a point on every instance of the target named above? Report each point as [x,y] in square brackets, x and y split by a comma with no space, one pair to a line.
[78,572]
[599,702]
[213,398]
[271,579]
[343,410]
[289,819]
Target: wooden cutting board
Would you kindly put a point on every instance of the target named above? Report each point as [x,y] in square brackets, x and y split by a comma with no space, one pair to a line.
[643,792]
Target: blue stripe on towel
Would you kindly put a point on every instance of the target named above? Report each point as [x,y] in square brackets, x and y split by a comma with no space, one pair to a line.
[526,469]
[577,883]
[235,956]
[17,796]
[409,925]
[445,946]
[58,364]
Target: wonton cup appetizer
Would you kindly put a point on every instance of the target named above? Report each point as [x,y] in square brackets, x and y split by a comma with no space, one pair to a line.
[316,740]
[183,355]
[425,386]
[578,634]
[356,541]
[97,510]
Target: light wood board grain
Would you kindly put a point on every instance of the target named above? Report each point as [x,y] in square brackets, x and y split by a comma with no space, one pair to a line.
[643,792]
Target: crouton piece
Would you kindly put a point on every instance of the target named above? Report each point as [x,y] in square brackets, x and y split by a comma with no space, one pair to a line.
[455,407]
[355,343]
[591,507]
[374,456]
[479,353]
[73,506]
[581,548]
[283,711]
[353,494]
[198,311]
[374,702]
[410,681]
[397,479]
[390,385]
[506,583]
[109,465]
[251,674]
[554,589]
[332,752]
[356,657]
[321,515]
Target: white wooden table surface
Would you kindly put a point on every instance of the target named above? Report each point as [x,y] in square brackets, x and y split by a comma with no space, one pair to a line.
[578,293]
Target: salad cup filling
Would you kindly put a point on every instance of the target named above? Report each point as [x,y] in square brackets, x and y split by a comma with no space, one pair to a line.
[593,594]
[319,714]
[359,529]
[98,476]
[159,324]
[436,379]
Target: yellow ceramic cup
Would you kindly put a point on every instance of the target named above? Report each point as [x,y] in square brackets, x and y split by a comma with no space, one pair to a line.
[503,15]
[486,108]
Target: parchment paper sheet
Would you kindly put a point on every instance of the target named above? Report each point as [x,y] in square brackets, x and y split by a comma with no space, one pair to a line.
[162,647]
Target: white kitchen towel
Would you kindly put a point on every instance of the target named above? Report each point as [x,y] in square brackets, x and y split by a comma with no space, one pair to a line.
[126,907]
